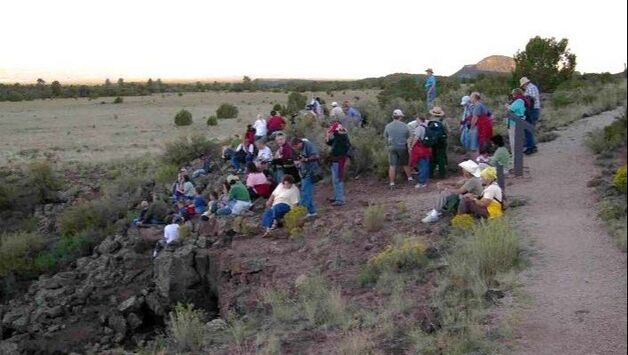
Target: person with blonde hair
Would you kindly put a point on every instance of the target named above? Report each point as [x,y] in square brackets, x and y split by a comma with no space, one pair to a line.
[490,204]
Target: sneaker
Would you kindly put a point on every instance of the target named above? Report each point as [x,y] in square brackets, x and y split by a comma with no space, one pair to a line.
[311,215]
[337,203]
[420,186]
[391,186]
[410,179]
[155,254]
[431,217]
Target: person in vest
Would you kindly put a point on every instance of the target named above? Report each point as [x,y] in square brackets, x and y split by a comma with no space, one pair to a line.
[439,151]
[490,204]
[338,139]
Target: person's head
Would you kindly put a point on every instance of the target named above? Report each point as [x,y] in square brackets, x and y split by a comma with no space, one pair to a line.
[259,116]
[421,119]
[397,114]
[345,106]
[281,138]
[429,71]
[485,149]
[524,82]
[488,175]
[214,195]
[249,127]
[517,93]
[334,104]
[260,143]
[469,169]
[287,181]
[232,179]
[465,101]
[144,205]
[318,99]
[498,140]
[199,191]
[297,143]
[475,97]
[178,220]
[273,113]
[251,168]
[186,178]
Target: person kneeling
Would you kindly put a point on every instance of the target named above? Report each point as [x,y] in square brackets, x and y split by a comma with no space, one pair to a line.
[285,197]
[490,205]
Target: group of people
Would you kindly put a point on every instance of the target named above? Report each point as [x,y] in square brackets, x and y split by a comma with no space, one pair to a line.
[267,164]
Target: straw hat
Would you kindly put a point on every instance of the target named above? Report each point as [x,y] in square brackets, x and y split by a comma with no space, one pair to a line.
[430,70]
[523,81]
[437,112]
[232,178]
[471,167]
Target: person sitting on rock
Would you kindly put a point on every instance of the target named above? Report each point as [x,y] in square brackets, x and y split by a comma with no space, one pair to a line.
[501,156]
[144,208]
[490,204]
[171,234]
[200,203]
[256,182]
[285,197]
[448,200]
[239,198]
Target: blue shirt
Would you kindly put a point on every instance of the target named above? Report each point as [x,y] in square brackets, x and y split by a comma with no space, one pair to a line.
[430,82]
[480,110]
[518,108]
[200,203]
[309,150]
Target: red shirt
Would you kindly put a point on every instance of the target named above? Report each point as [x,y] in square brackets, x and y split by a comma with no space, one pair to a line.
[250,137]
[275,123]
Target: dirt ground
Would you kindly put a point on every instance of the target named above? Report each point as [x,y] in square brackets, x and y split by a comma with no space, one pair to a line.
[88,130]
[578,279]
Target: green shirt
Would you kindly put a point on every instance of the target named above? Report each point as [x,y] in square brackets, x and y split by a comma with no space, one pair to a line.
[239,192]
[501,156]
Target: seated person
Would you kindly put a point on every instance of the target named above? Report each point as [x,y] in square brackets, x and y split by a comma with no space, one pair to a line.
[204,170]
[171,234]
[216,202]
[183,210]
[489,205]
[200,204]
[144,208]
[285,197]
[256,182]
[449,198]
[501,155]
[275,123]
[243,153]
[485,155]
[239,198]
[264,154]
[185,188]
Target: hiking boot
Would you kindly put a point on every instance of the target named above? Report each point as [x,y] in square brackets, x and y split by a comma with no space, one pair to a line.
[337,203]
[431,217]
[391,186]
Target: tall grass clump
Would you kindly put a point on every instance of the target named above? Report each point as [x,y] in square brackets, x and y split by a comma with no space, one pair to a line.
[187,148]
[18,251]
[495,246]
[356,342]
[187,327]
[183,118]
[609,138]
[404,254]
[227,111]
[43,180]
[97,216]
[322,305]
[374,217]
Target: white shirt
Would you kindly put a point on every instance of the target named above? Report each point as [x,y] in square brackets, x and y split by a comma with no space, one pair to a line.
[265,154]
[260,128]
[493,192]
[289,196]
[171,233]
[337,113]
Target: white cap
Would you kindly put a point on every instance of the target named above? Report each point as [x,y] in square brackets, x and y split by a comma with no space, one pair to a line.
[334,104]
[465,100]
[397,113]
[471,167]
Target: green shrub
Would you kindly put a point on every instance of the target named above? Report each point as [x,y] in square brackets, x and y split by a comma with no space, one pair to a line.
[6,196]
[494,246]
[610,211]
[187,327]
[66,250]
[167,173]
[227,111]
[44,181]
[95,215]
[18,251]
[183,118]
[374,217]
[561,99]
[185,149]
[402,255]
[295,220]
[296,102]
[118,100]
[620,180]
[212,121]
[322,305]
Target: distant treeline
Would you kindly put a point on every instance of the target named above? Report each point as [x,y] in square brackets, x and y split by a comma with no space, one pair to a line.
[394,85]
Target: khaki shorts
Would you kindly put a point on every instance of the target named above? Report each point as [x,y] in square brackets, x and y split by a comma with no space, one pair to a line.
[398,157]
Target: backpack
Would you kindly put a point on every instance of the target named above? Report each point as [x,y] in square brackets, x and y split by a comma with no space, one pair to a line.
[529,101]
[435,134]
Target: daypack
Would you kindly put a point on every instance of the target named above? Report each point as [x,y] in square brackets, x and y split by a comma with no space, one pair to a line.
[435,134]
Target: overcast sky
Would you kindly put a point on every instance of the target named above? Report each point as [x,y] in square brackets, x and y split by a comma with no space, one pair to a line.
[291,38]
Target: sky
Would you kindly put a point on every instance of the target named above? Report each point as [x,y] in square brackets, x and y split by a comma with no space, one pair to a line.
[184,39]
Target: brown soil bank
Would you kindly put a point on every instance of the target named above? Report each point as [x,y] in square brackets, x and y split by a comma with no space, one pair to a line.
[578,281]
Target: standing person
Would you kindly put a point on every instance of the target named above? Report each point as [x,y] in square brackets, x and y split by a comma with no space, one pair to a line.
[338,139]
[420,153]
[533,114]
[353,117]
[450,195]
[396,134]
[283,161]
[239,198]
[171,234]
[468,135]
[261,131]
[430,88]
[308,164]
[285,197]
[336,114]
[516,112]
[481,119]
[275,123]
[317,108]
[439,131]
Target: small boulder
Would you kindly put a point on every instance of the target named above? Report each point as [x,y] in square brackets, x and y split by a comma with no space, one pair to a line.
[216,325]
[118,323]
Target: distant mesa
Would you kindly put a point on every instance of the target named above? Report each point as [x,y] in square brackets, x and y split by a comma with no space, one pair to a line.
[495,64]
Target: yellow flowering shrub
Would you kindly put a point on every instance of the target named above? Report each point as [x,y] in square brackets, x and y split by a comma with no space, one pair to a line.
[620,179]
[294,220]
[463,222]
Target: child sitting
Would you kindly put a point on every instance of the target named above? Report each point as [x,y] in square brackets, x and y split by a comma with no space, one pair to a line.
[501,155]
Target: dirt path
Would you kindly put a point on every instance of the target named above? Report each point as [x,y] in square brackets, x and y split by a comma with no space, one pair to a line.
[578,279]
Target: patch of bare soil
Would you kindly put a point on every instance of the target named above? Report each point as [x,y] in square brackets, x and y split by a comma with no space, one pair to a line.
[578,278]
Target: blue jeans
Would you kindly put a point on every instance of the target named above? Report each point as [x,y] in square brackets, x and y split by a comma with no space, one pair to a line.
[532,119]
[307,194]
[274,213]
[339,185]
[424,170]
[236,162]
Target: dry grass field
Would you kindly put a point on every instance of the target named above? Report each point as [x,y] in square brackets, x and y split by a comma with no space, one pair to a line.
[72,130]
